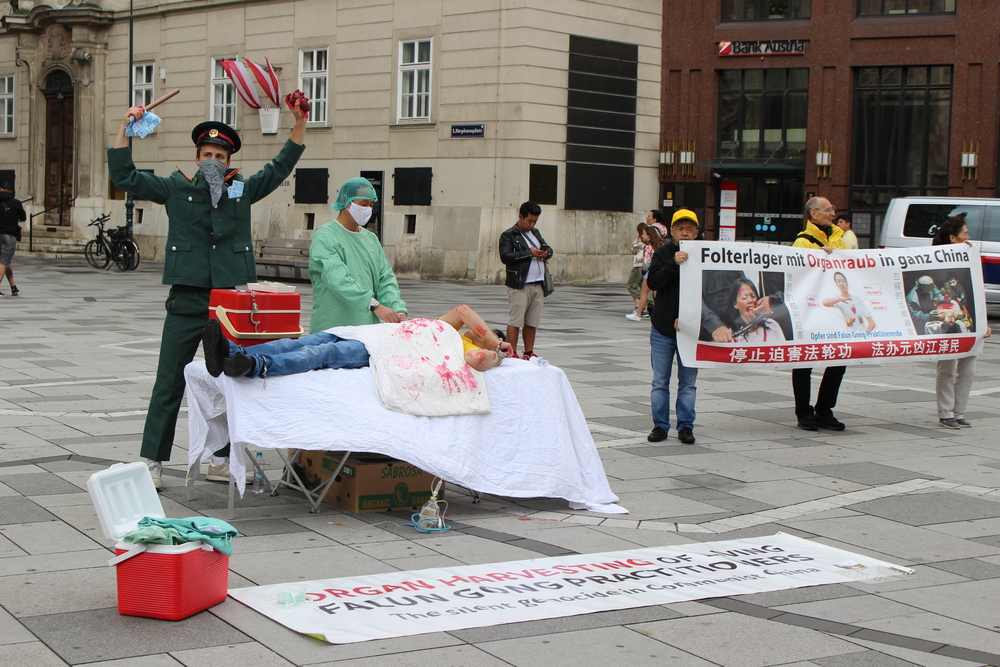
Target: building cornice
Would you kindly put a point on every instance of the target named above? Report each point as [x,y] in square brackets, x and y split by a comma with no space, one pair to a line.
[42,17]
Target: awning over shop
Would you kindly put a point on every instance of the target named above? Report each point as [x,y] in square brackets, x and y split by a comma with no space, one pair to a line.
[753,167]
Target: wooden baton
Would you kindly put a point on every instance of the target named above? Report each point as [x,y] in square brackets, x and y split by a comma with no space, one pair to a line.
[161,100]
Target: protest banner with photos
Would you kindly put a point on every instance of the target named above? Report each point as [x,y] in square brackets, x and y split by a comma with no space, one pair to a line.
[776,305]
[399,604]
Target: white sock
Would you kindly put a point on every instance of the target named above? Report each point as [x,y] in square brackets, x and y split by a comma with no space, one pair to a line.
[219,460]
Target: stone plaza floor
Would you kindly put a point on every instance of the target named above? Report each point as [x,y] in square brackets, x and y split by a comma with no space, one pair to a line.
[79,349]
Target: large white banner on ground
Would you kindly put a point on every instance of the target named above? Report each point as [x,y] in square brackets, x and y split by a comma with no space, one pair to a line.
[763,304]
[397,604]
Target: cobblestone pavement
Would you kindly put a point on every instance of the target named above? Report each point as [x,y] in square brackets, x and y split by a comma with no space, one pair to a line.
[79,350]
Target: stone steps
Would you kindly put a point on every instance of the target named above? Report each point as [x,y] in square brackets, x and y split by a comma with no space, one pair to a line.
[51,246]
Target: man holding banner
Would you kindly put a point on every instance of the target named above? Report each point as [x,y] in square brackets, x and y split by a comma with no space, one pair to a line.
[664,278]
[822,232]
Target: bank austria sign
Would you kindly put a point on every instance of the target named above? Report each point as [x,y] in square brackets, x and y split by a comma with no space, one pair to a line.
[763,47]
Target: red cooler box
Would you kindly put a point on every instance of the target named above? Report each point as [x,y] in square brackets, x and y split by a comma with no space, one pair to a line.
[169,582]
[248,318]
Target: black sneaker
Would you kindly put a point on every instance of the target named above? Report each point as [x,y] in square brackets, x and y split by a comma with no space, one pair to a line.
[807,422]
[829,421]
[238,366]
[215,346]
[657,434]
[686,436]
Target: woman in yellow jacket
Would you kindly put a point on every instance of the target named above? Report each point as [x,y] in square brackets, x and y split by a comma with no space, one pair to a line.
[820,232]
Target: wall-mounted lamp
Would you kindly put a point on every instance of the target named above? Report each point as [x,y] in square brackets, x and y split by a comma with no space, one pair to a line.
[668,157]
[970,160]
[688,153]
[824,158]
[163,74]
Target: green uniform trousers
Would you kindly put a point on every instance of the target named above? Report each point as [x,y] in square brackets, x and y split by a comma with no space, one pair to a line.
[187,313]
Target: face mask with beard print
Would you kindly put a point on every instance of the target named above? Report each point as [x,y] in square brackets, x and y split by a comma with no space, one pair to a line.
[361,214]
[213,171]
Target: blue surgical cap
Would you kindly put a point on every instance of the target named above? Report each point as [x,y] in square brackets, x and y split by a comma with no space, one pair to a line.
[354,188]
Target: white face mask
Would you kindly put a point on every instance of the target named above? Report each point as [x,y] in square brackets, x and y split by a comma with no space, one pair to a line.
[361,214]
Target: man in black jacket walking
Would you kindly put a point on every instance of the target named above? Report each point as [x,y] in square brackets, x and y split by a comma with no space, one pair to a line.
[11,215]
[664,279]
[525,252]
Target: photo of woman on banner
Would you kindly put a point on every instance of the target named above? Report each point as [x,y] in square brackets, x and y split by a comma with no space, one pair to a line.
[857,314]
[939,311]
[721,317]
[750,325]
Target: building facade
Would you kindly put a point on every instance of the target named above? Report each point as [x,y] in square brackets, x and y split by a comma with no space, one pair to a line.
[771,101]
[457,110]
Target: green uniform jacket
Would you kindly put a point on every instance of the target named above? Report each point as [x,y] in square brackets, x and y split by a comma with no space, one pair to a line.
[206,247]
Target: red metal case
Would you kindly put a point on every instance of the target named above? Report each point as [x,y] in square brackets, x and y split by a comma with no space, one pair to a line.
[248,318]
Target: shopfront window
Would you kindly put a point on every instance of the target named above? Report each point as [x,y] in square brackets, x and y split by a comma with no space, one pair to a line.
[902,126]
[893,7]
[760,10]
[762,113]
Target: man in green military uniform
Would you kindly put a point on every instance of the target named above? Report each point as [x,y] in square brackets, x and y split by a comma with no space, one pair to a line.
[209,246]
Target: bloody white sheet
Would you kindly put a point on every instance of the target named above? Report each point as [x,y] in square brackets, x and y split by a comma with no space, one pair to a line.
[534,443]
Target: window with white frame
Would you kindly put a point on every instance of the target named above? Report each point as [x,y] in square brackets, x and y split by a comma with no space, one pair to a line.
[223,93]
[142,84]
[6,105]
[313,77]
[415,80]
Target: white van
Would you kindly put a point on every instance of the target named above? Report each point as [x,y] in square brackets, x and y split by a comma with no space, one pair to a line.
[913,221]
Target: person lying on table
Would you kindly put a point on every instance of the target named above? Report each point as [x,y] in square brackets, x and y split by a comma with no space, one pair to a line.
[484,348]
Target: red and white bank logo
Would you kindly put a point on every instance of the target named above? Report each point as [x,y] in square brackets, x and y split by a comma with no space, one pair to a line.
[767,47]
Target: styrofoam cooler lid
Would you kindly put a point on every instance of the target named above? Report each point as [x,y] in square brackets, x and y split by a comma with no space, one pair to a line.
[122,495]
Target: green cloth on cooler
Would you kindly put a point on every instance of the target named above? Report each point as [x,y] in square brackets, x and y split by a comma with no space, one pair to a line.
[214,532]
[155,535]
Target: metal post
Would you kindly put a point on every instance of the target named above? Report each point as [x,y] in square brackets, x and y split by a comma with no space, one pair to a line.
[129,204]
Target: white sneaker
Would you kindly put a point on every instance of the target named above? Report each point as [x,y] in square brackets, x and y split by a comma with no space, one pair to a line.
[633,317]
[220,473]
[156,472]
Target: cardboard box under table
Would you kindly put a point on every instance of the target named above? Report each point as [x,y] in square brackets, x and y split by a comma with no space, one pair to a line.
[169,582]
[366,482]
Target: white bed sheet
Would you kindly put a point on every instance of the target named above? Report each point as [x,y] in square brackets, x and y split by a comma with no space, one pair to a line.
[534,443]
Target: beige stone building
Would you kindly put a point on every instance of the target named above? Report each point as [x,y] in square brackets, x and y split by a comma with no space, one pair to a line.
[462,109]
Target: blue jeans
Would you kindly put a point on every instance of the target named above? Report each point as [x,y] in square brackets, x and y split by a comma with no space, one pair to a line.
[298,355]
[662,351]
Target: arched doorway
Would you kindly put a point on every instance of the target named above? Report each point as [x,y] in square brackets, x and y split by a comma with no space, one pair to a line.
[58,92]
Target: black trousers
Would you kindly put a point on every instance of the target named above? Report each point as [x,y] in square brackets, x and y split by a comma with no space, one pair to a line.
[828,390]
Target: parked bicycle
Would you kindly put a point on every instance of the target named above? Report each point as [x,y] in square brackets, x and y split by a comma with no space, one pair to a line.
[112,245]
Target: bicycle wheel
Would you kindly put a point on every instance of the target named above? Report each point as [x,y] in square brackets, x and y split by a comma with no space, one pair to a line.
[123,255]
[135,256]
[96,254]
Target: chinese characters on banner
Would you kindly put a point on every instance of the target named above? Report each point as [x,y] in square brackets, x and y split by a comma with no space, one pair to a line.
[804,308]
